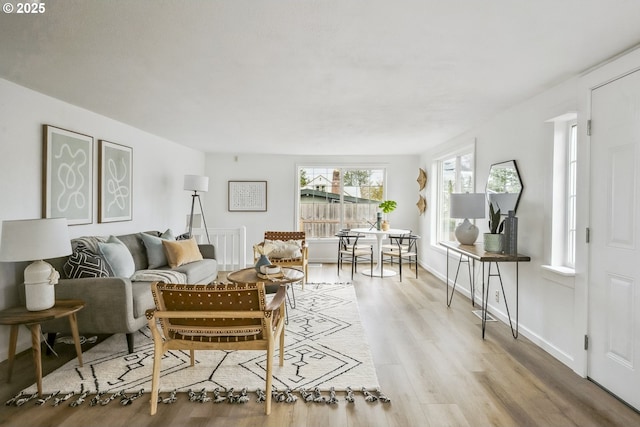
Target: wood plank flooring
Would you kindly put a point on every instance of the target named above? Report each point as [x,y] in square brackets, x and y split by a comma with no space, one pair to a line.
[430,360]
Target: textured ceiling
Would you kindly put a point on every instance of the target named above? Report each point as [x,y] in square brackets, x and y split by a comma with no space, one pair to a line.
[309,77]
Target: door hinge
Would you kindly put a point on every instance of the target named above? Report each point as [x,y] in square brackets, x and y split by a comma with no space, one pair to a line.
[589,127]
[586,342]
[587,235]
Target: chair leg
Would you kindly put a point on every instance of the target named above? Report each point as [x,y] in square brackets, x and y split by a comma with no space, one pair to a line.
[400,267]
[155,377]
[130,342]
[267,392]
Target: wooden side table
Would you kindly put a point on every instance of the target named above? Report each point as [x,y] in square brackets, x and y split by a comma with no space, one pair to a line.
[17,316]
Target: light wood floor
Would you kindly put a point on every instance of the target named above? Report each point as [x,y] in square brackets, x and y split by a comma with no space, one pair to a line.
[430,360]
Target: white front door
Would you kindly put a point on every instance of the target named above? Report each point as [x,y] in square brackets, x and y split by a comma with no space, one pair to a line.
[614,250]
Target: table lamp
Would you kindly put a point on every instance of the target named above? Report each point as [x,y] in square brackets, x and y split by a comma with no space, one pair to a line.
[197,183]
[36,240]
[467,205]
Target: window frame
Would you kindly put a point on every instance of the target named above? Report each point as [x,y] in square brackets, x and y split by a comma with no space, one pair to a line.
[438,197]
[384,168]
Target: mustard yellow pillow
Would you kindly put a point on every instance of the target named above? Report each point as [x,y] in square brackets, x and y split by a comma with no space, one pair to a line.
[181,252]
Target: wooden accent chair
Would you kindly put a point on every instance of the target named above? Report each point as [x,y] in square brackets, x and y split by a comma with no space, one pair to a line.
[403,247]
[215,317]
[349,250]
[300,262]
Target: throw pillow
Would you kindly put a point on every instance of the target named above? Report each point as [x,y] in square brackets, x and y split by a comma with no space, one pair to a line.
[82,263]
[282,249]
[118,257]
[181,252]
[155,250]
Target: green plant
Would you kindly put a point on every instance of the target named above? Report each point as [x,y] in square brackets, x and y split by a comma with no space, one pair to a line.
[496,223]
[387,206]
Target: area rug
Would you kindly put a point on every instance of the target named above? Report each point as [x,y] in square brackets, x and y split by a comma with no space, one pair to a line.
[325,347]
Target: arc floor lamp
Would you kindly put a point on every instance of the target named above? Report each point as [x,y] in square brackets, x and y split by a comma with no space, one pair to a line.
[197,183]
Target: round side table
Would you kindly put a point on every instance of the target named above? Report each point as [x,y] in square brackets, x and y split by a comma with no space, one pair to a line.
[17,316]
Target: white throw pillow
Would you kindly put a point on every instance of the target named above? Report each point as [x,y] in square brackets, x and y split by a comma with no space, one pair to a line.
[285,249]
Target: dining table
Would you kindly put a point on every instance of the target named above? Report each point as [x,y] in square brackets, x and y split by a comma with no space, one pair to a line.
[379,270]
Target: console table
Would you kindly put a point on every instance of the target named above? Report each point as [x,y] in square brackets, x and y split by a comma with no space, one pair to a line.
[472,253]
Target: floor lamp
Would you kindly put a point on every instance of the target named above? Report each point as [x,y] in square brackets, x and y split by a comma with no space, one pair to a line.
[197,183]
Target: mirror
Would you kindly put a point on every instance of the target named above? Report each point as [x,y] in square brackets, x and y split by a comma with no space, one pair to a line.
[504,186]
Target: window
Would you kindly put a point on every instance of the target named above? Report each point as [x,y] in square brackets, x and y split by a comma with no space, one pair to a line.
[332,198]
[563,228]
[455,175]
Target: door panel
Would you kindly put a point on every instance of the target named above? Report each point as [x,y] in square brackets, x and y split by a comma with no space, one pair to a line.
[614,256]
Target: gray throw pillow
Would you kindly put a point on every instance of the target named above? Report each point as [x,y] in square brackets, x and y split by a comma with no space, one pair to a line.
[118,257]
[155,250]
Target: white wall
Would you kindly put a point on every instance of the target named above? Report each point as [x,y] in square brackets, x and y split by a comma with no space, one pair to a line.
[280,174]
[521,133]
[159,202]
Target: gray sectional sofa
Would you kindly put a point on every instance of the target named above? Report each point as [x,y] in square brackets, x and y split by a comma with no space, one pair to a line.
[117,304]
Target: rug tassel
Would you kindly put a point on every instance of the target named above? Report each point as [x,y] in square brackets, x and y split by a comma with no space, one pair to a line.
[230,396]
[58,400]
[383,397]
[171,399]
[306,395]
[112,397]
[332,396]
[79,401]
[368,397]
[128,400]
[243,398]
[96,399]
[217,398]
[289,396]
[261,396]
[25,399]
[45,399]
[349,397]
[317,396]
[203,397]
[14,398]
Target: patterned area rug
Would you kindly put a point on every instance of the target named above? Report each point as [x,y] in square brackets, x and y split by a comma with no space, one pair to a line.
[325,347]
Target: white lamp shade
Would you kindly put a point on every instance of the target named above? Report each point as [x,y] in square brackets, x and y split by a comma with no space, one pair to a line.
[196,183]
[34,239]
[467,205]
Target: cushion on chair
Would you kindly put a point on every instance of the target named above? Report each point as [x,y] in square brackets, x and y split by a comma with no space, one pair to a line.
[181,252]
[285,249]
[117,256]
[155,250]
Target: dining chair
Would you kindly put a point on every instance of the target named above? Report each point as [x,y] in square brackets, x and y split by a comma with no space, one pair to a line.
[402,247]
[215,317]
[349,250]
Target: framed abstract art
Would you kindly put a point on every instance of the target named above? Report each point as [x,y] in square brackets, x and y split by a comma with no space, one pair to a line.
[115,202]
[67,175]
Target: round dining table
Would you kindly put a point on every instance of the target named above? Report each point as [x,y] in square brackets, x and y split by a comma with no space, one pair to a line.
[378,270]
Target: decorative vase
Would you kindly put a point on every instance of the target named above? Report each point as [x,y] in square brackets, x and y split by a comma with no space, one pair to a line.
[493,242]
[511,234]
[385,225]
[378,220]
[263,260]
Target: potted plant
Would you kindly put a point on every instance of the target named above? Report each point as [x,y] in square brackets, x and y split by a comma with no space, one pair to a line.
[493,241]
[387,206]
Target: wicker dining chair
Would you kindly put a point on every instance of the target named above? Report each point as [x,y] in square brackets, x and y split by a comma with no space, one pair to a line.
[402,247]
[351,251]
[215,317]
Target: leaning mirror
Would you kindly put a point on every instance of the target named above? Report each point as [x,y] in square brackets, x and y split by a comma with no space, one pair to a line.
[504,186]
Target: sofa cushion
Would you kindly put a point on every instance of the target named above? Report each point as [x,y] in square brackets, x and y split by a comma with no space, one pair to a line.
[84,263]
[204,272]
[155,250]
[118,257]
[139,253]
[181,252]
[285,249]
